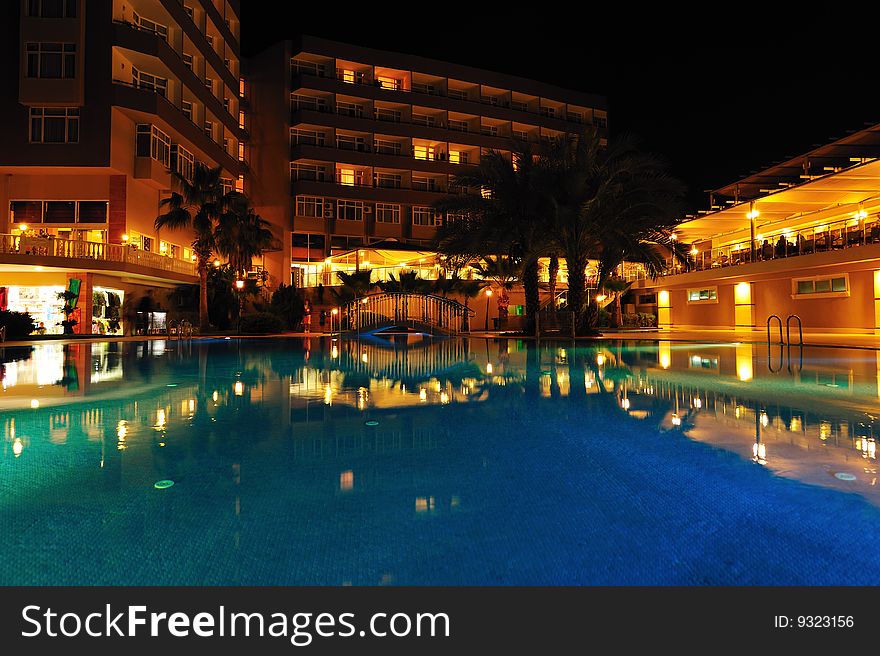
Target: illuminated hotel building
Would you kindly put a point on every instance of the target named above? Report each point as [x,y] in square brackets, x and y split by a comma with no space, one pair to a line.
[356,144]
[104,99]
[799,238]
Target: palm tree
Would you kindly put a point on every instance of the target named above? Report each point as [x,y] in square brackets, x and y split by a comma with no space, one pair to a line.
[354,285]
[501,271]
[612,203]
[505,219]
[553,275]
[198,205]
[617,287]
[406,282]
[241,235]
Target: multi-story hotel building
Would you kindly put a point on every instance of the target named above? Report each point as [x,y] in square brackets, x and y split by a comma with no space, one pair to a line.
[355,145]
[800,238]
[103,100]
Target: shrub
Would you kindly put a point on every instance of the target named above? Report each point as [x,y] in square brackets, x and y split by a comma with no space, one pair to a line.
[287,304]
[18,324]
[261,323]
[604,318]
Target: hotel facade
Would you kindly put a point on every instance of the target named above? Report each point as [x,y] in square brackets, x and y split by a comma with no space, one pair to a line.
[104,100]
[799,239]
[356,144]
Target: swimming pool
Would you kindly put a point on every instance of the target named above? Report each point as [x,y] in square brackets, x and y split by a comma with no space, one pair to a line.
[409,460]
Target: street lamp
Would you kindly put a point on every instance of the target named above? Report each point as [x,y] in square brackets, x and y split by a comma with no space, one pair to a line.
[239,285]
[488,293]
[334,318]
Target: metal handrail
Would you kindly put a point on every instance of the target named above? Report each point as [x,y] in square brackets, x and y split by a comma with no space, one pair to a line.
[788,328]
[769,320]
[402,307]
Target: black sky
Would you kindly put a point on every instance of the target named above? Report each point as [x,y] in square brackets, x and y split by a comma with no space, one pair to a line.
[718,99]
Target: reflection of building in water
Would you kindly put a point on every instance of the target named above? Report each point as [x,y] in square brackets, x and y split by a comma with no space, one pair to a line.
[809,423]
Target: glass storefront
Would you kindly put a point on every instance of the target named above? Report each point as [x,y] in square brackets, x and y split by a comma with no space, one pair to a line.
[42,303]
[107,311]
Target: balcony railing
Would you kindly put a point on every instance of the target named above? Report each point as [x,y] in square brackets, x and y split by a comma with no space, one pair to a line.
[833,236]
[66,249]
[343,180]
[422,90]
[367,116]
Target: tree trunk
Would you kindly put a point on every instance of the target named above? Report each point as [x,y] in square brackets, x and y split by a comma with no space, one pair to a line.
[618,309]
[204,321]
[577,290]
[554,274]
[532,294]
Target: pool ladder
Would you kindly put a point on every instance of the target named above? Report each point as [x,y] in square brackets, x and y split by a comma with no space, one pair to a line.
[181,330]
[785,342]
[787,339]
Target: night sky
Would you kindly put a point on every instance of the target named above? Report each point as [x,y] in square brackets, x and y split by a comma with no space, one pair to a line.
[717,103]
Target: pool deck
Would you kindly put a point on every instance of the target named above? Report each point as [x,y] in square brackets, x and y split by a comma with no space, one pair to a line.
[844,340]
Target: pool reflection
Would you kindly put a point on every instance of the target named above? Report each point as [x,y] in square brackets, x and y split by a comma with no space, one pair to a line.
[323,460]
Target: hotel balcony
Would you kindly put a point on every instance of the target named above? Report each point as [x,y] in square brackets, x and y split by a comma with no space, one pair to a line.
[402,128]
[372,157]
[504,109]
[27,253]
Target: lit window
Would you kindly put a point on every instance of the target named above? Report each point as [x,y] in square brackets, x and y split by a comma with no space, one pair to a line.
[423,152]
[348,76]
[346,177]
[241,120]
[455,156]
[709,295]
[389,83]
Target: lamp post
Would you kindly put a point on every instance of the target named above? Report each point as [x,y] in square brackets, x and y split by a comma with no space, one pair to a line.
[752,214]
[239,285]
[334,317]
[488,293]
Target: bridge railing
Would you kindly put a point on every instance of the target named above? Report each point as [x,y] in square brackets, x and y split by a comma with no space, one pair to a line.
[399,308]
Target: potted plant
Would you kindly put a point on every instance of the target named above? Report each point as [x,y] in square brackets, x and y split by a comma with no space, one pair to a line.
[68,323]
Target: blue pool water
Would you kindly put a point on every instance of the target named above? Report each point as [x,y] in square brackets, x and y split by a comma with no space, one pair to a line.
[413,461]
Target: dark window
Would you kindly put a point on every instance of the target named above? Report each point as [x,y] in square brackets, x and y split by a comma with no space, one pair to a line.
[142,141]
[93,211]
[51,60]
[60,211]
[647,299]
[27,211]
[52,8]
[53,127]
[54,124]
[69,61]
